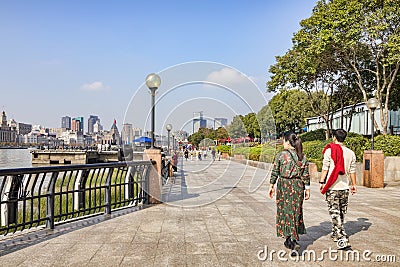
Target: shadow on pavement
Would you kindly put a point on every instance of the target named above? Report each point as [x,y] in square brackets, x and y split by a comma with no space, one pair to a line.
[324,228]
[12,243]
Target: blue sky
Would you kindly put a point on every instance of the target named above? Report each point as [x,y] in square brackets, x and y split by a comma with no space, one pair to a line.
[79,58]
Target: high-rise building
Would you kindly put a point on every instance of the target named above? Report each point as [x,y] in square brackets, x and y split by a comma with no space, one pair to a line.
[91,121]
[198,121]
[23,128]
[127,133]
[66,122]
[77,124]
[137,132]
[220,122]
[7,134]
[97,127]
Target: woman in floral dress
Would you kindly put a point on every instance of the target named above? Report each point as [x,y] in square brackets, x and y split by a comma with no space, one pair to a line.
[291,167]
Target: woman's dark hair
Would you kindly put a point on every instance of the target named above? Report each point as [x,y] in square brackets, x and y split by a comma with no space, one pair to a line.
[295,142]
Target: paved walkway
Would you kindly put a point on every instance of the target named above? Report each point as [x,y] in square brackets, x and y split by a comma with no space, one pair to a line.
[214,214]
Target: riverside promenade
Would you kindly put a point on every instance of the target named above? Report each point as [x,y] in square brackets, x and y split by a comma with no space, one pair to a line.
[216,214]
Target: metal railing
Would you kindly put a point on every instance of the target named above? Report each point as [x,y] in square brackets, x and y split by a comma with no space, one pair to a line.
[165,170]
[45,196]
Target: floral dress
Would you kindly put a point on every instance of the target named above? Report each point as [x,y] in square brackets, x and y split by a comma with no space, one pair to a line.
[293,176]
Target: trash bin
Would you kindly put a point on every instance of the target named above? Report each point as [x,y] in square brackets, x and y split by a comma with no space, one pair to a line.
[373,174]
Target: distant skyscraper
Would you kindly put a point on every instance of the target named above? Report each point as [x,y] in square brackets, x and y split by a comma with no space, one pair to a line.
[66,122]
[91,121]
[127,133]
[97,127]
[198,121]
[220,122]
[77,124]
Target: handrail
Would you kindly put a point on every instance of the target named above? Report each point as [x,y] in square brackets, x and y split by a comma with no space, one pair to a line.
[46,196]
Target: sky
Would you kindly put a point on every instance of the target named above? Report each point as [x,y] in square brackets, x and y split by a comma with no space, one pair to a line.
[80,58]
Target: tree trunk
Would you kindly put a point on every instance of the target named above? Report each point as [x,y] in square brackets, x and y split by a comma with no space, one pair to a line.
[351,117]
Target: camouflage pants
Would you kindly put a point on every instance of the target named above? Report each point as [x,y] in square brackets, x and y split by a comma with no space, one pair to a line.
[337,206]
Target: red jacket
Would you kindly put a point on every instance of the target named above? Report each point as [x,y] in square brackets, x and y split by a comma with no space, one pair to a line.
[337,157]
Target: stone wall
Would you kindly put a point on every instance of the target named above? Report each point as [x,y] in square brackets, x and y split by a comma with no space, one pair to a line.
[392,169]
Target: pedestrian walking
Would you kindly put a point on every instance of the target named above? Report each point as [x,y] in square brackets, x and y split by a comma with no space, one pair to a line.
[213,154]
[186,154]
[290,172]
[338,168]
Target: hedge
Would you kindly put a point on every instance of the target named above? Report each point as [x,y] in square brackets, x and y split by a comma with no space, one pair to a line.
[390,145]
[319,134]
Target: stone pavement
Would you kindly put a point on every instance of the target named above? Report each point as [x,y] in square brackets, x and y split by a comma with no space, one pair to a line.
[215,214]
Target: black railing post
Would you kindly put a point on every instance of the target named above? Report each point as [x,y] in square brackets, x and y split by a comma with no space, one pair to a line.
[50,201]
[147,182]
[12,205]
[84,174]
[107,195]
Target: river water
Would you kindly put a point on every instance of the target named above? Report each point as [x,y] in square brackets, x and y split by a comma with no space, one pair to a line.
[15,158]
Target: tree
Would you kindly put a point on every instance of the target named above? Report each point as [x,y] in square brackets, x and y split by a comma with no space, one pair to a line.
[365,36]
[237,129]
[290,109]
[342,37]
[196,138]
[207,133]
[266,121]
[221,133]
[251,124]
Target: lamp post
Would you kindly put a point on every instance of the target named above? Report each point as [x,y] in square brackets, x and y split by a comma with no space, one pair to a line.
[372,104]
[169,128]
[153,81]
[173,141]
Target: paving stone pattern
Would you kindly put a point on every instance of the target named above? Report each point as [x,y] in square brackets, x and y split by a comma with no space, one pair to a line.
[214,214]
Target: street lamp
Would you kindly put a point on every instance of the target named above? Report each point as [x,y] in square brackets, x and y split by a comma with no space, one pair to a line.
[169,128]
[372,104]
[153,81]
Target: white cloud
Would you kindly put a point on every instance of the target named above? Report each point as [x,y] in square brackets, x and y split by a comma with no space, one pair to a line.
[95,86]
[227,77]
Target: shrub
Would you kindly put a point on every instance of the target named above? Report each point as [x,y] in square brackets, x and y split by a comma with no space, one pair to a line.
[351,134]
[358,144]
[390,144]
[313,149]
[313,135]
[224,149]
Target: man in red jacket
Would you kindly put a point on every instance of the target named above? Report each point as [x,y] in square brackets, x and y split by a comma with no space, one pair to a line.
[339,167]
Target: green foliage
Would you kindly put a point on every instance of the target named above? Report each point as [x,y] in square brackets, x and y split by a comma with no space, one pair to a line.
[224,149]
[237,128]
[319,134]
[313,149]
[265,152]
[251,124]
[358,144]
[342,44]
[222,133]
[290,109]
[266,121]
[206,135]
[351,134]
[389,144]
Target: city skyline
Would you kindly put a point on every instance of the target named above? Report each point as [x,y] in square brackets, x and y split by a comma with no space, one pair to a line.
[92,57]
